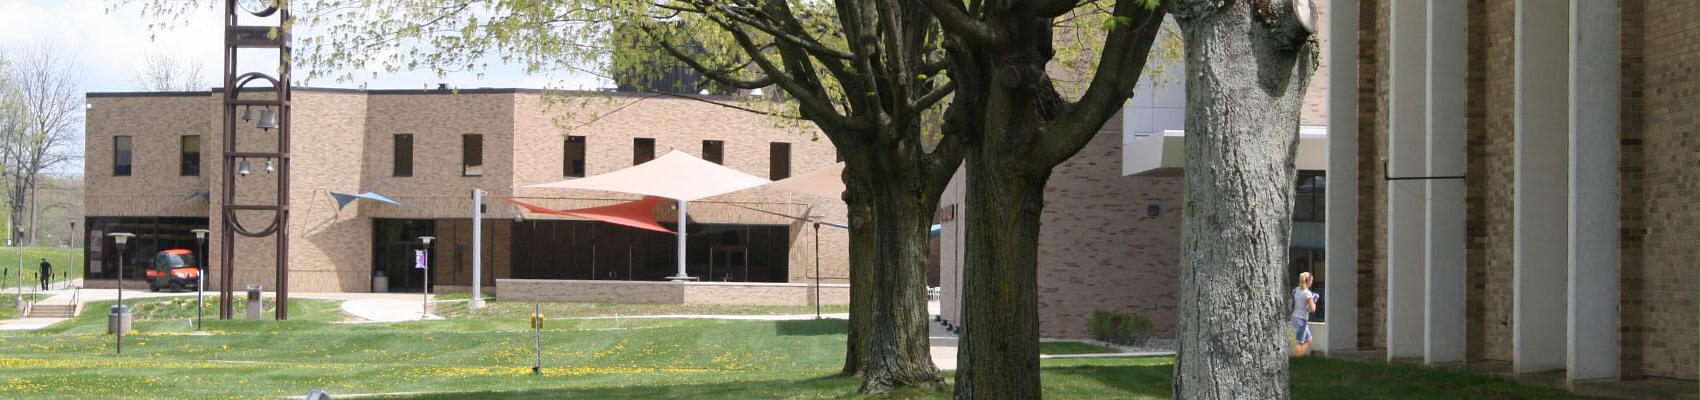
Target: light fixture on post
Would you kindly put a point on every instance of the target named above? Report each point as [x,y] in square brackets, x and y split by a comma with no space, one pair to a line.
[424,262]
[119,239]
[200,274]
[242,168]
[268,120]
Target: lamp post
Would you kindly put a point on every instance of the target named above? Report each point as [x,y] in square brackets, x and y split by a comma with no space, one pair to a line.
[425,300]
[119,239]
[200,274]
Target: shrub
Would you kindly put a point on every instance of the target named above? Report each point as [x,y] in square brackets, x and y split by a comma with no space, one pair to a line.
[1119,328]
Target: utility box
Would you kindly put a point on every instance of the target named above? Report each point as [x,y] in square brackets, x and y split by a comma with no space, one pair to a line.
[380,283]
[254,304]
[118,319]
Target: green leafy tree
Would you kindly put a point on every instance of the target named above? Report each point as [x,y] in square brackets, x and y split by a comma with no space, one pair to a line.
[907,91]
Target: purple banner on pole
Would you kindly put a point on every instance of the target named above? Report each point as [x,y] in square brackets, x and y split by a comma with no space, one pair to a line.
[419,259]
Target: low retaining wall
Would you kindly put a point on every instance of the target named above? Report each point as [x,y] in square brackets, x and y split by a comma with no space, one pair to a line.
[730,293]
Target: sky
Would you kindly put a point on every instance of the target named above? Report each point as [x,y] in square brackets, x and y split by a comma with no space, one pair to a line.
[110,42]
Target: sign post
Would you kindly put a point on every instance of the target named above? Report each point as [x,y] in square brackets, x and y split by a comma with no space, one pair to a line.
[537,336]
[421,261]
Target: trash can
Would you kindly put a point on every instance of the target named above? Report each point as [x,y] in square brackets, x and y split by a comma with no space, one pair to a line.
[380,283]
[118,319]
[254,305]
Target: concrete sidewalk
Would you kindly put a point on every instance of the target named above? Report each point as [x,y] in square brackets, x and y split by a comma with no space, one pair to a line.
[30,324]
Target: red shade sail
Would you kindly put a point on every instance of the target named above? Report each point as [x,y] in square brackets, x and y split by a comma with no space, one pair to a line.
[637,214]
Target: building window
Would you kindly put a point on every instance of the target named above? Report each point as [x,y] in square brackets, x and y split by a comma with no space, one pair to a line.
[572,157]
[779,161]
[403,154]
[1309,196]
[713,150]
[643,150]
[121,156]
[472,155]
[190,164]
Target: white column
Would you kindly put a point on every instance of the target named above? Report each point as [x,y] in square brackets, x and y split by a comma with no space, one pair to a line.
[1340,292]
[682,277]
[1540,205]
[477,249]
[1592,343]
[1443,307]
[1406,150]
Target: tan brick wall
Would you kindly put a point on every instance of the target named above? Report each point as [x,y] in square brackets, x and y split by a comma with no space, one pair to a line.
[343,143]
[1490,152]
[669,292]
[1372,193]
[155,124]
[1660,266]
[1098,249]
[1660,294]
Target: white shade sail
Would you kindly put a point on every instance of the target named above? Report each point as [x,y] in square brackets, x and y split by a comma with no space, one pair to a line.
[674,175]
[825,182]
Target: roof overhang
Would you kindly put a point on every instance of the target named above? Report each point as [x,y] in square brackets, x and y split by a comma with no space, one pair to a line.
[1165,154]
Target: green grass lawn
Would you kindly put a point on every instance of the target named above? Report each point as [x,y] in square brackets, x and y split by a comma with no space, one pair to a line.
[65,260]
[491,356]
[1073,348]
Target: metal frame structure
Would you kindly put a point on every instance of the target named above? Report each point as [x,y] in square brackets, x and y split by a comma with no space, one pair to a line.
[237,37]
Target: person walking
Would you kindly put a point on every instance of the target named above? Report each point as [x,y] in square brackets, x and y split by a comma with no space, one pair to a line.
[1304,302]
[46,273]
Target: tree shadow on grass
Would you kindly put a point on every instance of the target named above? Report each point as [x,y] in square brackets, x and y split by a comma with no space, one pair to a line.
[825,387]
[1145,381]
[815,327]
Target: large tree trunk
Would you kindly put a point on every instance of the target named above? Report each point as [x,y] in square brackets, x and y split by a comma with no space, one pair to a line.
[1246,75]
[897,346]
[1000,284]
[862,292]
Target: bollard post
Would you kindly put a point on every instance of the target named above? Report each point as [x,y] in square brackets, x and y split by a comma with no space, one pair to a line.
[537,335]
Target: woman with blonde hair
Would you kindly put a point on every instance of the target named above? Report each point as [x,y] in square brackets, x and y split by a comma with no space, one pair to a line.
[1304,302]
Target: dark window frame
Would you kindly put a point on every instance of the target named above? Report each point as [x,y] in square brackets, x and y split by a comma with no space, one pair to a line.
[643,150]
[573,151]
[778,160]
[186,165]
[471,157]
[401,161]
[123,155]
[714,151]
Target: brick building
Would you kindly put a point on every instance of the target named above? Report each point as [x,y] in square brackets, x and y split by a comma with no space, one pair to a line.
[1570,242]
[153,158]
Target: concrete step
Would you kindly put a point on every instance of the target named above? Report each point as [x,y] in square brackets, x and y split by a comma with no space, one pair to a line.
[52,311]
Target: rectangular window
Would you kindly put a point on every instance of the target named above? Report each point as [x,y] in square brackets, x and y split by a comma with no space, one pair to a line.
[643,150]
[779,161]
[713,150]
[472,155]
[121,156]
[403,154]
[190,165]
[572,157]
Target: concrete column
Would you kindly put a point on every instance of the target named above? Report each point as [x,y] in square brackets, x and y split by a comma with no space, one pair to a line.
[1405,198]
[1592,344]
[1340,292]
[1541,203]
[1443,307]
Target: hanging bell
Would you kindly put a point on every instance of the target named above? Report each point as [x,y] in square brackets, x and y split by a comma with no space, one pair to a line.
[268,120]
[269,168]
[243,169]
[247,113]
[519,216]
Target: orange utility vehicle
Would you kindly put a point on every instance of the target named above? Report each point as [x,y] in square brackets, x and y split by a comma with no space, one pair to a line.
[174,269]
